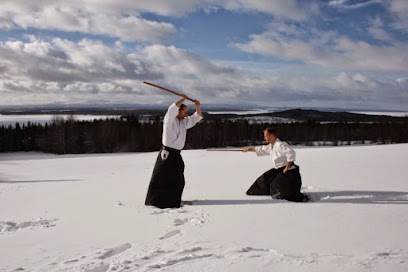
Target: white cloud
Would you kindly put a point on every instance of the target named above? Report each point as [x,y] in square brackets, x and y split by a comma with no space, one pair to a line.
[336,3]
[213,82]
[400,9]
[38,72]
[379,34]
[63,60]
[85,17]
[328,49]
[377,31]
[348,4]
[288,9]
[123,18]
[182,62]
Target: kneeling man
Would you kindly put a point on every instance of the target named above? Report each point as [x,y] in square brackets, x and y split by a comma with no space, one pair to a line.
[283,181]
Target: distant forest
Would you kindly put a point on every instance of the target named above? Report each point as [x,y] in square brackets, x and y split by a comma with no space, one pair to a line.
[129,134]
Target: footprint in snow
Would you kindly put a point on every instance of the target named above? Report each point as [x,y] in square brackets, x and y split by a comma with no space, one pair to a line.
[179,222]
[181,256]
[101,268]
[170,234]
[115,251]
[9,226]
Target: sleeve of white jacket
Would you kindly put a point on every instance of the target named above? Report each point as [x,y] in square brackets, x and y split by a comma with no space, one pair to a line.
[263,150]
[192,120]
[171,113]
[288,151]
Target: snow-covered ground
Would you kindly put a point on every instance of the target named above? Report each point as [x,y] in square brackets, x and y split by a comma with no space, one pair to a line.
[86,213]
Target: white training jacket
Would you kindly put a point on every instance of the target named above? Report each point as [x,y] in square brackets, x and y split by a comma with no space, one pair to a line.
[280,153]
[175,130]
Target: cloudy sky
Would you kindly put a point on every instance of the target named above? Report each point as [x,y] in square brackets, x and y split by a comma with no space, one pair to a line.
[276,53]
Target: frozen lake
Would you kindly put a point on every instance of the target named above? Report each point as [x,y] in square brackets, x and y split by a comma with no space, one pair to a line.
[46,118]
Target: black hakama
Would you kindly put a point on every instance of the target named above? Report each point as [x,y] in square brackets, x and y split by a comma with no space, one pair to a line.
[279,185]
[167,182]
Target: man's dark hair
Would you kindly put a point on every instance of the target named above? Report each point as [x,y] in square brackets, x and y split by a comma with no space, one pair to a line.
[182,106]
[271,130]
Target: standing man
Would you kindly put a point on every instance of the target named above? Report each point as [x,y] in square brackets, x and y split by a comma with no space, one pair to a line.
[167,182]
[283,181]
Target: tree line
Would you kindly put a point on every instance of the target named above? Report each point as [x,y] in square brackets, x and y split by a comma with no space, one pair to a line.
[129,134]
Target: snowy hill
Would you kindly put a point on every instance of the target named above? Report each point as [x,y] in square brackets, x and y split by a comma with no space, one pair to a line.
[86,213]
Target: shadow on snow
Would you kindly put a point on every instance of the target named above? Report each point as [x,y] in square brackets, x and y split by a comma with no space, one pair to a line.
[36,181]
[356,197]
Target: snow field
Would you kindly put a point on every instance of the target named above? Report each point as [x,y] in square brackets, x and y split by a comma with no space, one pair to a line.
[86,213]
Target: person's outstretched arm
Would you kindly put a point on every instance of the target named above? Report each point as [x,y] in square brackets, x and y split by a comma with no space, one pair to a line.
[198,107]
[178,103]
[262,150]
[173,110]
[192,120]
